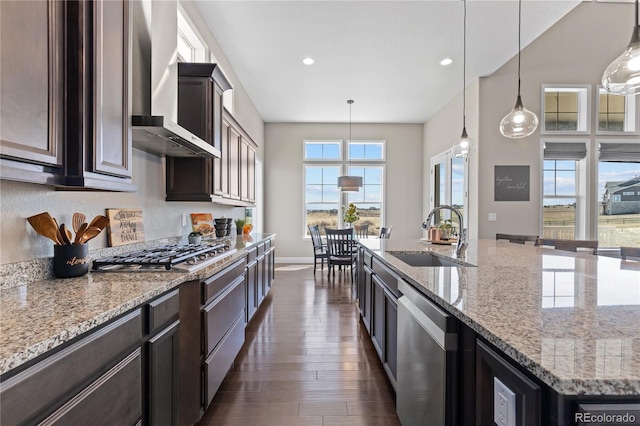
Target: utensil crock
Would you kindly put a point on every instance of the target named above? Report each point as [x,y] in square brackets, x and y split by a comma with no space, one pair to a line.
[71,260]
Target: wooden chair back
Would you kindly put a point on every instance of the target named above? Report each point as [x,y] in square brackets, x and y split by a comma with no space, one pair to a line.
[340,244]
[362,231]
[518,239]
[316,238]
[385,232]
[569,245]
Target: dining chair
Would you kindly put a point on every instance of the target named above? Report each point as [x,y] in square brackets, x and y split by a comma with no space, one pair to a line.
[518,239]
[362,231]
[627,252]
[385,232]
[319,248]
[569,245]
[340,244]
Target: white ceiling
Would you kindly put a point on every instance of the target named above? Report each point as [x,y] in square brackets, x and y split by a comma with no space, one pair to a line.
[383,54]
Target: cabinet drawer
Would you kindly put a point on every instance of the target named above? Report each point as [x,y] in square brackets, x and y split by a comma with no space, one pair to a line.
[368,258]
[214,286]
[260,249]
[162,311]
[251,254]
[220,314]
[35,390]
[389,278]
[115,398]
[267,245]
[218,363]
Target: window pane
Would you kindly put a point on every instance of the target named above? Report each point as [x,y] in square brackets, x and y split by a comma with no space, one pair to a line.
[565,165]
[619,204]
[550,121]
[373,193]
[330,175]
[567,102]
[549,183]
[565,183]
[331,193]
[567,121]
[373,175]
[559,218]
[356,171]
[365,150]
[322,150]
[313,193]
[314,175]
[323,215]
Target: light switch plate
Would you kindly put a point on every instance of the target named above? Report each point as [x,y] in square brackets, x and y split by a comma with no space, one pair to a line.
[504,404]
[493,217]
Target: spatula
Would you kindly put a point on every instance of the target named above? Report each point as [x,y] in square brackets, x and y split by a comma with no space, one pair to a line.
[77,220]
[45,225]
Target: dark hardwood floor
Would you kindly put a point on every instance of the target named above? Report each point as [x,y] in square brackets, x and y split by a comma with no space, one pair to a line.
[307,360]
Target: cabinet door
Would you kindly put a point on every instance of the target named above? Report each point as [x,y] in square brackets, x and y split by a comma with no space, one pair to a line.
[163,367]
[244,176]
[220,165]
[234,163]
[217,116]
[189,179]
[111,145]
[365,304]
[32,85]
[251,174]
[260,283]
[378,317]
[391,336]
[252,290]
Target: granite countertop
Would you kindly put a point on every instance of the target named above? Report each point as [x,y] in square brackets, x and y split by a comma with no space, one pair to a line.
[38,316]
[571,319]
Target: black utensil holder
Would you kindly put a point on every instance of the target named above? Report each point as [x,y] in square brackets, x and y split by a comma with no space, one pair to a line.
[71,260]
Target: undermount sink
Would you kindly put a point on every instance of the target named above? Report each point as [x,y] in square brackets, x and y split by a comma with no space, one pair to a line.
[426,259]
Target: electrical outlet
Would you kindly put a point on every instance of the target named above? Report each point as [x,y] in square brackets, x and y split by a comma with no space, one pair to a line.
[184,219]
[504,404]
[493,217]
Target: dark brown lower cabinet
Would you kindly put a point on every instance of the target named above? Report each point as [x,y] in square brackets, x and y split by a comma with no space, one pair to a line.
[377,323]
[163,350]
[252,289]
[489,366]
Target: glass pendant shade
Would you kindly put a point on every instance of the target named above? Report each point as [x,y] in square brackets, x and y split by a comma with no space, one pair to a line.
[519,123]
[622,76]
[464,147]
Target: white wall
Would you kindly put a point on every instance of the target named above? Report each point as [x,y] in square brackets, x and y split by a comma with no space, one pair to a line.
[284,178]
[576,50]
[19,242]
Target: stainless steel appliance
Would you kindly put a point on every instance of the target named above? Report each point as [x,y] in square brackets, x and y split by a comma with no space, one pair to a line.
[427,359]
[186,257]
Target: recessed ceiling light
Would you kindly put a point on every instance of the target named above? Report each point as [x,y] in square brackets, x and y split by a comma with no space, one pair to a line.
[308,61]
[446,61]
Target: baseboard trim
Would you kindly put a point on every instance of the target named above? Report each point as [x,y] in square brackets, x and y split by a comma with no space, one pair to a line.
[308,260]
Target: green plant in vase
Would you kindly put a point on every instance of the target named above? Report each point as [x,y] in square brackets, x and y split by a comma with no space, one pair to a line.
[350,214]
[239,224]
[447,229]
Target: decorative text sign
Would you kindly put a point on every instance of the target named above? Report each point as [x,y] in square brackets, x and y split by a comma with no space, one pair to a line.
[125,226]
[511,183]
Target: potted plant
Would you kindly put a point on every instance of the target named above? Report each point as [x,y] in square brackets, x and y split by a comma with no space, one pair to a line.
[239,225]
[350,214]
[447,229]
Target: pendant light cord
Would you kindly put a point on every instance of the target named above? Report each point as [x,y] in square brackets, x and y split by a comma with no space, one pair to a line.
[519,40]
[464,68]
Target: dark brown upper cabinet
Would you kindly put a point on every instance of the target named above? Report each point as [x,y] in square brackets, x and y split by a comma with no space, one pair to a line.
[65,105]
[32,90]
[229,179]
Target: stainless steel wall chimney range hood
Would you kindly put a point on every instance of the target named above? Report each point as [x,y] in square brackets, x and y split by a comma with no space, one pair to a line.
[154,120]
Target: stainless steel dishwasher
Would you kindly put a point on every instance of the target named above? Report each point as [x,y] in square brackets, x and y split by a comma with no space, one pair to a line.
[427,361]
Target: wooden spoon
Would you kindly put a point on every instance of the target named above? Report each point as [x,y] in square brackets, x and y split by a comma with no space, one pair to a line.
[99,222]
[44,225]
[83,227]
[89,233]
[77,220]
[65,233]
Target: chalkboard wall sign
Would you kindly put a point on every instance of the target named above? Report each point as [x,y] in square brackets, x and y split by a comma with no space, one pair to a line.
[511,183]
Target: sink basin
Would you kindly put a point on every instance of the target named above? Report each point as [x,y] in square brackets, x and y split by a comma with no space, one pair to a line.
[426,259]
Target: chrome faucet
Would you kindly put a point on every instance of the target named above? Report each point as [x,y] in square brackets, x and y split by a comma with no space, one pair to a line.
[462,238]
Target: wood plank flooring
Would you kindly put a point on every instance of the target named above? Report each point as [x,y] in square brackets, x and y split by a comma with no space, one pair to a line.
[307,360]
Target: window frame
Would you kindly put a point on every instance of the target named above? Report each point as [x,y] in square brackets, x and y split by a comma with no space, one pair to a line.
[631,114]
[447,157]
[322,160]
[584,108]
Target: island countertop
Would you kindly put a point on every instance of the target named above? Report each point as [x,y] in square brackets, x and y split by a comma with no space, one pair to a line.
[571,319]
[41,315]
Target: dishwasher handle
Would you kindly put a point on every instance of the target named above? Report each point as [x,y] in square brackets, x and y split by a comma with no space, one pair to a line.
[440,325]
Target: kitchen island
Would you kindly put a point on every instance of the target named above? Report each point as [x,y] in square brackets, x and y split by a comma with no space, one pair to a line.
[78,339]
[570,322]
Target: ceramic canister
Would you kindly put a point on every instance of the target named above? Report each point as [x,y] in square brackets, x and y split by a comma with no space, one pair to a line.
[71,260]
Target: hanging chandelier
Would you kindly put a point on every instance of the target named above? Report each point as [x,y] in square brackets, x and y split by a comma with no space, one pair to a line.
[622,76]
[349,183]
[520,122]
[465,145]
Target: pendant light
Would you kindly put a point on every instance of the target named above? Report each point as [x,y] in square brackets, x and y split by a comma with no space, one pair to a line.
[520,122]
[349,183]
[465,145]
[622,76]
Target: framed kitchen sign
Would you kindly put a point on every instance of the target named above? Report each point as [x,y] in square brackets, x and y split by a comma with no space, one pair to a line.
[511,183]
[126,226]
